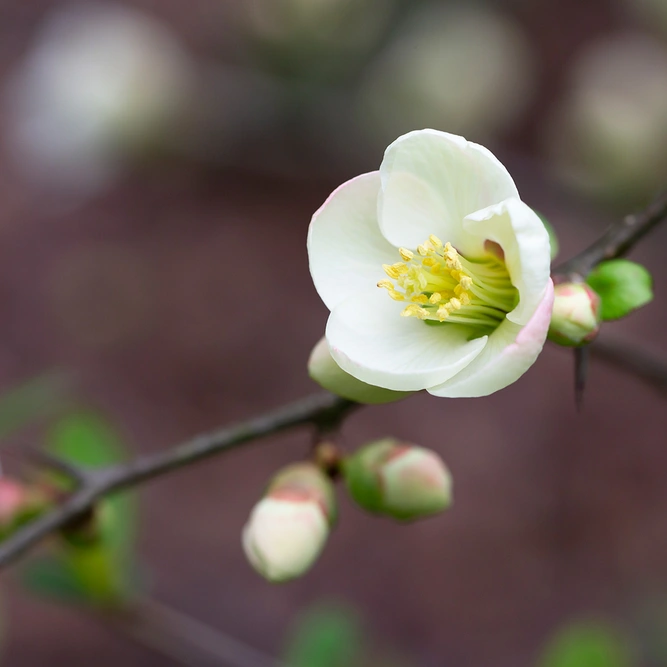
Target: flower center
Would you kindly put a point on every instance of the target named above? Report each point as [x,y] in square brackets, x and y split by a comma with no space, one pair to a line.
[442,286]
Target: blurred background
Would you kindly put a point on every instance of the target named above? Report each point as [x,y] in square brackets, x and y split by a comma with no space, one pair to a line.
[159,164]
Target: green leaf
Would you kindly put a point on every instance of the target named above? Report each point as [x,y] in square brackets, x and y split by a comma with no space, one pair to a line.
[326,637]
[587,645]
[102,566]
[86,438]
[89,439]
[553,239]
[623,286]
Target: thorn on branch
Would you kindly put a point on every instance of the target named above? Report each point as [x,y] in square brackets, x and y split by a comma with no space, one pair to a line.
[581,357]
[73,472]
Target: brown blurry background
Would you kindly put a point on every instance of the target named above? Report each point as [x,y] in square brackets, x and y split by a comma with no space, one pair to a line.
[159,164]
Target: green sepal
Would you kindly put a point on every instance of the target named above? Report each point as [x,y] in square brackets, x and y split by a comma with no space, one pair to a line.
[328,374]
[362,478]
[623,286]
[553,238]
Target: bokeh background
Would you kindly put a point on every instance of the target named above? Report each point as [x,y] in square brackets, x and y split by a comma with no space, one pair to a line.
[159,164]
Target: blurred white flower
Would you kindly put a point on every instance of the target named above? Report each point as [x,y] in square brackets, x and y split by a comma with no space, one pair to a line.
[468,70]
[466,311]
[608,137]
[100,82]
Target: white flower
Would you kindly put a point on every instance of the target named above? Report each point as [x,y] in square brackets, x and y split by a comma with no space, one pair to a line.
[101,83]
[465,304]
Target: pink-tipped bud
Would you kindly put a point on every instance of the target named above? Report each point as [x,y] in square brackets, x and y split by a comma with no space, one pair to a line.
[399,480]
[575,319]
[289,527]
[18,503]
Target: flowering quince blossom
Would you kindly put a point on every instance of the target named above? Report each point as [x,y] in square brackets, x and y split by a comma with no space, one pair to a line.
[465,312]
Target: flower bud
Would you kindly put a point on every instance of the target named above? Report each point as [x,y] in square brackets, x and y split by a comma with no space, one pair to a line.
[575,319]
[18,503]
[288,528]
[327,373]
[400,480]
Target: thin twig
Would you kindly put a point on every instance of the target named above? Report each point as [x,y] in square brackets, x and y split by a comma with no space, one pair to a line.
[581,357]
[185,639]
[643,362]
[322,410]
[48,460]
[615,242]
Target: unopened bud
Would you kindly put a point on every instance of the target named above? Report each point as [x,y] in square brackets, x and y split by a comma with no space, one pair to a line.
[18,503]
[575,318]
[328,374]
[289,527]
[400,480]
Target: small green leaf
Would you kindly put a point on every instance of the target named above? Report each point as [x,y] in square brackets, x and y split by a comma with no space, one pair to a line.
[586,645]
[326,637]
[90,440]
[623,286]
[553,239]
[87,439]
[102,566]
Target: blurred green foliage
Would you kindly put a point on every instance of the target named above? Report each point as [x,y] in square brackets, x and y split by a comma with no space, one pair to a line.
[587,644]
[326,636]
[94,562]
[332,635]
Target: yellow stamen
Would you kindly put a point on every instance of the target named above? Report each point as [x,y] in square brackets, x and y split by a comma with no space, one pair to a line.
[441,285]
[419,298]
[390,271]
[414,310]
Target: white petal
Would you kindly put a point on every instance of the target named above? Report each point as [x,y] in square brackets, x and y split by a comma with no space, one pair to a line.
[431,181]
[282,538]
[325,371]
[370,340]
[345,247]
[511,350]
[525,241]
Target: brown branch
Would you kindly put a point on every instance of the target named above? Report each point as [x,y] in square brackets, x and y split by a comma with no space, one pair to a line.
[183,638]
[323,411]
[615,242]
[647,364]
